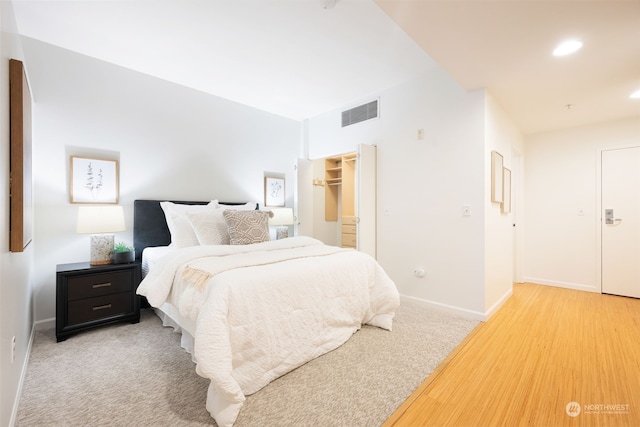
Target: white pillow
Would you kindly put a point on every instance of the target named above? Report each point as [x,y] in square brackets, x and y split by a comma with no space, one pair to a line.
[250,206]
[182,232]
[210,226]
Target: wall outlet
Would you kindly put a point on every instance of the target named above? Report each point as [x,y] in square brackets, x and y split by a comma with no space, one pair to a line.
[466,210]
[13,349]
[420,133]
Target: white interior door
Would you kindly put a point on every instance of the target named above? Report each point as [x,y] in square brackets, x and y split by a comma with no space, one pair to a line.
[366,202]
[303,198]
[516,217]
[621,221]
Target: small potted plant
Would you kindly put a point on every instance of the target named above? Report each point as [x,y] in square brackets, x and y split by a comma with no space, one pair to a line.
[122,254]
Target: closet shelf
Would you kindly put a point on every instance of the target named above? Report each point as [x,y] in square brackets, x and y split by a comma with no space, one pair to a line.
[339,178]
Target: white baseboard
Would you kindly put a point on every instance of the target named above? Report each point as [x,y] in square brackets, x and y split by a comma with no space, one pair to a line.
[471,314]
[492,310]
[566,285]
[45,324]
[23,374]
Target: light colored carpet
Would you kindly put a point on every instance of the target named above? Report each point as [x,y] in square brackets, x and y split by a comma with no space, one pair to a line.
[138,375]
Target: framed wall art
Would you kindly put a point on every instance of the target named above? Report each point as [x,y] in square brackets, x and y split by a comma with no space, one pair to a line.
[274,195]
[93,180]
[20,159]
[496,177]
[506,190]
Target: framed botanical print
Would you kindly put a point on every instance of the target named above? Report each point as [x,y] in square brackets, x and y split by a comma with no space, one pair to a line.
[496,177]
[274,195]
[93,180]
[506,190]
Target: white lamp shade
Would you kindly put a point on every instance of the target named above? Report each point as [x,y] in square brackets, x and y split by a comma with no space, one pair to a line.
[100,219]
[281,216]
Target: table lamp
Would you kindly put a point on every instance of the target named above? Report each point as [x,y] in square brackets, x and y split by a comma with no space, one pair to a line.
[101,222]
[282,218]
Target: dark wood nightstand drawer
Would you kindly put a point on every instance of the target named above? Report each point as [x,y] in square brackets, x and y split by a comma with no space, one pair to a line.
[89,296]
[95,285]
[86,310]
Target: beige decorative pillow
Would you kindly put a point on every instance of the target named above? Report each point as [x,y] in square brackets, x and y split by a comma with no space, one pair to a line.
[247,227]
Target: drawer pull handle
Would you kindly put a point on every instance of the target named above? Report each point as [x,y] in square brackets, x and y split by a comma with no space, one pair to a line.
[101,285]
[101,307]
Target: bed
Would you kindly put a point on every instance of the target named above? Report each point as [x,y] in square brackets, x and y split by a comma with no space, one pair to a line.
[251,310]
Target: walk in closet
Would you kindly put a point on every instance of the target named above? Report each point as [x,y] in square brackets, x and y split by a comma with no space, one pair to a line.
[339,195]
[342,200]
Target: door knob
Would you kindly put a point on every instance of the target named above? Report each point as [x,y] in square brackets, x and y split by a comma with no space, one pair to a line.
[608,217]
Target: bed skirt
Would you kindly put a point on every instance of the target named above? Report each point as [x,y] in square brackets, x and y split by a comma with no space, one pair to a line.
[170,317]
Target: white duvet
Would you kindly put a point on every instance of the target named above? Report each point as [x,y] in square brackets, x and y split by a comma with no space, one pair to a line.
[262,310]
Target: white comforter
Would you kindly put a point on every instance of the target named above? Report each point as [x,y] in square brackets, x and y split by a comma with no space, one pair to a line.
[262,310]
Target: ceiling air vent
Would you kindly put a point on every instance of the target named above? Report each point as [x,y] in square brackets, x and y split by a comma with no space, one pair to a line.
[360,113]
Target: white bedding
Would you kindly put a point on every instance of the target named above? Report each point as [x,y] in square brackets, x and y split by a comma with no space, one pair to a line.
[264,309]
[152,255]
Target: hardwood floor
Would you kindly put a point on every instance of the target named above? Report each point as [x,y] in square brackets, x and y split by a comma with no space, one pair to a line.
[545,348]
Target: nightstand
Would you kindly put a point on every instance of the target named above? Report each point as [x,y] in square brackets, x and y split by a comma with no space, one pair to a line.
[88,296]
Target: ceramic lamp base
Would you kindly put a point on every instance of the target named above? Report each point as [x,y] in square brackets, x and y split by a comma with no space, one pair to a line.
[101,248]
[282,232]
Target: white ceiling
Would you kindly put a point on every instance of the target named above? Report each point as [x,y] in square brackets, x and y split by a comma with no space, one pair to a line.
[296,59]
[506,46]
[290,57]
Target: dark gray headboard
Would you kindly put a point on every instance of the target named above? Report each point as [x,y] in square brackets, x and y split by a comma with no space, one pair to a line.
[150,226]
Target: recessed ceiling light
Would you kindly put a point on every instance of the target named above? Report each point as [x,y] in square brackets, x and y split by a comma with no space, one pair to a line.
[328,4]
[635,95]
[567,47]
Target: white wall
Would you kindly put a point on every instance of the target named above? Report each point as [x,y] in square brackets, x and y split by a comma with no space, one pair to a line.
[560,245]
[16,317]
[171,142]
[423,184]
[502,135]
